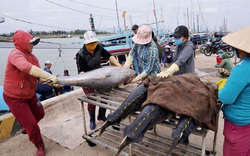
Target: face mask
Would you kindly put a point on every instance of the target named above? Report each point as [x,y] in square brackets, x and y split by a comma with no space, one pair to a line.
[178,41]
[91,46]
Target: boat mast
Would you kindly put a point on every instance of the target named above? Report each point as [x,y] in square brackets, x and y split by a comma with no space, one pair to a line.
[188,20]
[91,21]
[198,26]
[119,28]
[155,19]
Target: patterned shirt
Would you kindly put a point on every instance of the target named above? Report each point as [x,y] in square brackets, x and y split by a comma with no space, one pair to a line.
[146,58]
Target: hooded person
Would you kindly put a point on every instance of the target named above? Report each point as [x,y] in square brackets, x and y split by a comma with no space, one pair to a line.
[21,75]
[144,56]
[88,58]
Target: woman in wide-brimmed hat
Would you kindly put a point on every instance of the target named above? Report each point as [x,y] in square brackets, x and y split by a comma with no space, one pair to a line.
[235,96]
[144,55]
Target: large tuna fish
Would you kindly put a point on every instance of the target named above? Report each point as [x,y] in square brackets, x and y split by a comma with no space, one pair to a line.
[101,78]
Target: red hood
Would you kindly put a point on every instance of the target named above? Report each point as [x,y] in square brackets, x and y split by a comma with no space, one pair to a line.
[21,40]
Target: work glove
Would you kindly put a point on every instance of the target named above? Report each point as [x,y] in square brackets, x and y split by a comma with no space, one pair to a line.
[139,77]
[128,62]
[221,83]
[113,61]
[38,72]
[169,72]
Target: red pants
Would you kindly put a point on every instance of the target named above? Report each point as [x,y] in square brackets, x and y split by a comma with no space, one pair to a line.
[237,139]
[91,107]
[28,114]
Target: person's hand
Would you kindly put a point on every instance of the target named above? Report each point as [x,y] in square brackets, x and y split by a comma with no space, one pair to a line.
[126,66]
[139,77]
[114,62]
[52,81]
[128,62]
[172,69]
[221,83]
[164,74]
[135,80]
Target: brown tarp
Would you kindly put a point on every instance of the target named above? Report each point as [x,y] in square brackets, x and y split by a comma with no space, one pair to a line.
[185,95]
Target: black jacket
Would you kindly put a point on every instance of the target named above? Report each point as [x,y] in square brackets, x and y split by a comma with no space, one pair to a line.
[85,61]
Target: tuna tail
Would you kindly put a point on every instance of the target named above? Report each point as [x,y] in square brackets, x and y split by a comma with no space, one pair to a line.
[174,144]
[130,105]
[125,142]
[104,126]
[149,116]
[177,133]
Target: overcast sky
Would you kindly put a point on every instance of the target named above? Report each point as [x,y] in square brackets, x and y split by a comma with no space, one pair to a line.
[48,15]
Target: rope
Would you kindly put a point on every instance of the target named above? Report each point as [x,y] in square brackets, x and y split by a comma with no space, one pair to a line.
[60,56]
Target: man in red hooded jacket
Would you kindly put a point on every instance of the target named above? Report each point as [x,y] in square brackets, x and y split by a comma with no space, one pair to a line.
[21,74]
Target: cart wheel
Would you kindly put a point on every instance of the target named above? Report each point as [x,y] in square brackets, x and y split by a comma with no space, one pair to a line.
[91,144]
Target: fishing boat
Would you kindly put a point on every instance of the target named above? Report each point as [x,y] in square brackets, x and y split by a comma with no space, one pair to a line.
[118,45]
[3,106]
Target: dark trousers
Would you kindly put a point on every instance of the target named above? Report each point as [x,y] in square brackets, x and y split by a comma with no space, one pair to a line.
[28,113]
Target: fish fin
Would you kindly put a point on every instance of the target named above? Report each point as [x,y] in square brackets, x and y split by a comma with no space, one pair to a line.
[125,142]
[104,126]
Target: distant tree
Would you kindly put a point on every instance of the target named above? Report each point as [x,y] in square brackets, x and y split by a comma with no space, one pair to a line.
[56,32]
[31,32]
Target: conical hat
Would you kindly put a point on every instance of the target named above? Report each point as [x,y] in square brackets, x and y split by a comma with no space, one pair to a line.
[239,39]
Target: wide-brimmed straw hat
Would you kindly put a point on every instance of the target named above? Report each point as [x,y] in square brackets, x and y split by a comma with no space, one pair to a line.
[143,36]
[239,39]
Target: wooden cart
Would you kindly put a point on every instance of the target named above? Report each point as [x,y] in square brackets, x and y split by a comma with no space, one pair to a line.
[155,142]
